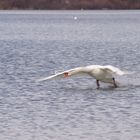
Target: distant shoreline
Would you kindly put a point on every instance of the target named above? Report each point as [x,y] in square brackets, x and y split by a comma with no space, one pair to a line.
[12,9]
[69,4]
[74,12]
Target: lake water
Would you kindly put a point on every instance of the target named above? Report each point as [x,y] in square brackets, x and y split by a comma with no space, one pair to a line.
[35,44]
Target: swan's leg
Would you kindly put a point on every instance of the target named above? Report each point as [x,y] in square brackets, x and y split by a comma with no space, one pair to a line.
[114,83]
[98,85]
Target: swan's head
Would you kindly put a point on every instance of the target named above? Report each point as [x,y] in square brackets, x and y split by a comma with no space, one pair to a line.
[66,74]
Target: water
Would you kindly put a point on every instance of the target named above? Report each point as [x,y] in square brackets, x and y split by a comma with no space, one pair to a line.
[35,44]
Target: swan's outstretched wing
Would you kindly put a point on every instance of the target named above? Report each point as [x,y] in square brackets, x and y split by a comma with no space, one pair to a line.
[64,74]
[114,70]
[51,77]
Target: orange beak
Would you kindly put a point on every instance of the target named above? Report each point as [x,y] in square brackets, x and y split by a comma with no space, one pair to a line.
[66,74]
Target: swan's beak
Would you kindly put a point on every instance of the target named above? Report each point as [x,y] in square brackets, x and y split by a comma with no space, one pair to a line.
[66,74]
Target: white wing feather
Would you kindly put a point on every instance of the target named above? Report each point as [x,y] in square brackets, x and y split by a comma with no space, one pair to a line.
[114,70]
[61,74]
[52,76]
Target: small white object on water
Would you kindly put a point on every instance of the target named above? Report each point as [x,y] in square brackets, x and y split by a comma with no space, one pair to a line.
[75,18]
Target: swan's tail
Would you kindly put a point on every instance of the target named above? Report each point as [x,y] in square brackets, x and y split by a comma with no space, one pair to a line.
[116,70]
[129,72]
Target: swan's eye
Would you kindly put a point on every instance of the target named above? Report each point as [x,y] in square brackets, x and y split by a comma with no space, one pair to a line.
[66,74]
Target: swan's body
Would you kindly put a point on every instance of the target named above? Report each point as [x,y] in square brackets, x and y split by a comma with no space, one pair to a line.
[100,73]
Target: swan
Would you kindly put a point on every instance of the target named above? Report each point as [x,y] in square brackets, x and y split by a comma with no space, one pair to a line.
[100,73]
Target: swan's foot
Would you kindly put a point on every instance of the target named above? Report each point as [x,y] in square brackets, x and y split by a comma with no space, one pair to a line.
[114,83]
[98,85]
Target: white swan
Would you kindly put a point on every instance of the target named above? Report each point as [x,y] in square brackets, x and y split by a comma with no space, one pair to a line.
[100,73]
